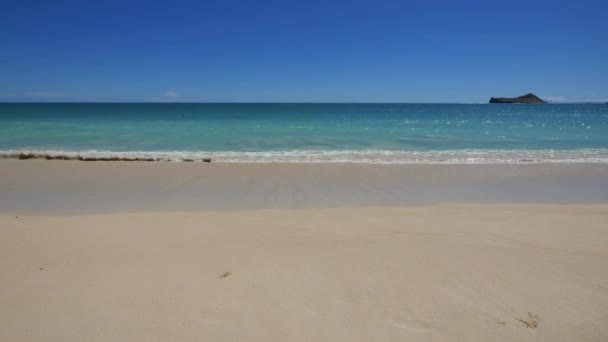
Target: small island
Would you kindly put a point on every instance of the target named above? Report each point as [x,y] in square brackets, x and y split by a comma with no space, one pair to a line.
[528,98]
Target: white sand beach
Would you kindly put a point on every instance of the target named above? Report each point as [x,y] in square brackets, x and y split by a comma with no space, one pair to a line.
[286,171]
[430,272]
[447,272]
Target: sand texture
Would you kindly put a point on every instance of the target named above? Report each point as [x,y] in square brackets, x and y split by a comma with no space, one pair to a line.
[78,187]
[457,272]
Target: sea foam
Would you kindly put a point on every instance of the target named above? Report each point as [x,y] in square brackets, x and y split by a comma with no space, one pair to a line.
[473,156]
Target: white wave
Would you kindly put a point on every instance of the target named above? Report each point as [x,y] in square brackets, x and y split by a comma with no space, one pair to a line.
[348,156]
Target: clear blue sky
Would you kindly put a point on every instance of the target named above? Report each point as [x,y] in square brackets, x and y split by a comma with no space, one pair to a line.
[303,51]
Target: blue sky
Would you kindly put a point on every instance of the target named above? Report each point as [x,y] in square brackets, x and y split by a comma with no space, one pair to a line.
[303,51]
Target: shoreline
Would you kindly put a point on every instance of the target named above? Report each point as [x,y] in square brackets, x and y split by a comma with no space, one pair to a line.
[363,156]
[72,187]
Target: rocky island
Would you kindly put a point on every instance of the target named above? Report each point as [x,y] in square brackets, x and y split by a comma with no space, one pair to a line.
[528,98]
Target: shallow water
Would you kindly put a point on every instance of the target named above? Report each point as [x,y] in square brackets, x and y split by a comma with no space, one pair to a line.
[375,133]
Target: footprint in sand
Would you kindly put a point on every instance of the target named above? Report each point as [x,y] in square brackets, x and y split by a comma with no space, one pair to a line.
[532,322]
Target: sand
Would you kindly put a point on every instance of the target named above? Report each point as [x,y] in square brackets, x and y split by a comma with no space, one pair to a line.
[456,272]
[135,251]
[75,187]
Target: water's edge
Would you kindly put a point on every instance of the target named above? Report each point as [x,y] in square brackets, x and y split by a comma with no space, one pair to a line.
[54,186]
[477,156]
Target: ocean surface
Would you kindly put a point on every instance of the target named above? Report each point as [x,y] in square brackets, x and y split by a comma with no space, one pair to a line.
[359,133]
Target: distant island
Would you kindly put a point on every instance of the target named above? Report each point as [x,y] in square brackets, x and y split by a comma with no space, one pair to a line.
[528,98]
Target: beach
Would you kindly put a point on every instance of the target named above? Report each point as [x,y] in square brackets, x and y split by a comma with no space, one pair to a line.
[303,171]
[79,187]
[157,251]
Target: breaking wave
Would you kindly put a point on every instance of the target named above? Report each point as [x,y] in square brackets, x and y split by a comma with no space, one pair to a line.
[474,156]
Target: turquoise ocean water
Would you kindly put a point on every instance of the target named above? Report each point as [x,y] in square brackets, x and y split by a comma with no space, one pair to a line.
[375,133]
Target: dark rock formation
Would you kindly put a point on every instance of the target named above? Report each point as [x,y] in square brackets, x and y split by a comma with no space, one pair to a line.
[529,98]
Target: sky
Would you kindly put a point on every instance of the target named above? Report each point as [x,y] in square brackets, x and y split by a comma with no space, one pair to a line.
[302,51]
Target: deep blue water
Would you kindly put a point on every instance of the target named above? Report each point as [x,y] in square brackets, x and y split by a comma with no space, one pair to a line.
[313,132]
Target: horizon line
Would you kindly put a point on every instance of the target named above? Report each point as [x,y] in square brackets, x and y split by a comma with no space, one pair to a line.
[269,102]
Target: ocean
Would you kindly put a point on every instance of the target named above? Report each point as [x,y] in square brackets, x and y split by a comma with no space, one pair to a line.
[290,132]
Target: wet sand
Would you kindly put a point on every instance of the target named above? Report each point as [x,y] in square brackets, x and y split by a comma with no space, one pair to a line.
[76,187]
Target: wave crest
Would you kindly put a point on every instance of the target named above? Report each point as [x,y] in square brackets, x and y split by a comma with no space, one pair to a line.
[314,156]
